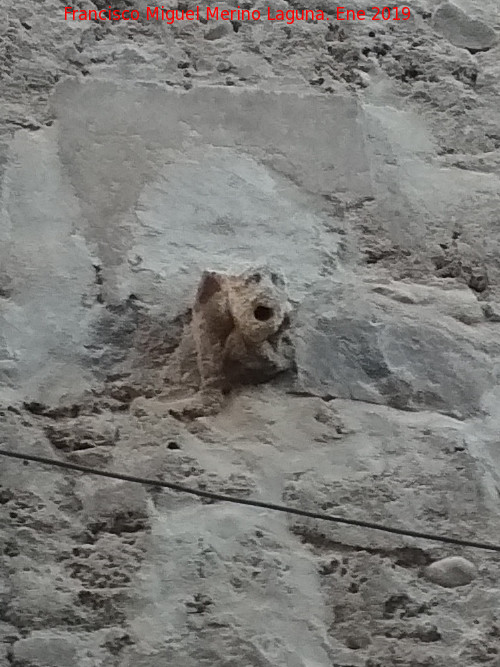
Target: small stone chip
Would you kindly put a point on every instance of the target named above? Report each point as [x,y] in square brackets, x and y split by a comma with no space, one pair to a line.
[463,31]
[357,641]
[216,33]
[451,572]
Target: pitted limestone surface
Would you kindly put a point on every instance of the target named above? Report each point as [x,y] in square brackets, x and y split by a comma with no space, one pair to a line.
[326,148]
[238,331]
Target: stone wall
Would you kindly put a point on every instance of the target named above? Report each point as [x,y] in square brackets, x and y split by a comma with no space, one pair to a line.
[359,159]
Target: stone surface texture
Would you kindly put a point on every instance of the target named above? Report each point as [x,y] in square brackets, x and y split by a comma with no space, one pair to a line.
[361,160]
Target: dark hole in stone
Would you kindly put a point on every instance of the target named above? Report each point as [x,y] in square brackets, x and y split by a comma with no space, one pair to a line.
[173,445]
[263,313]
[254,278]
[275,279]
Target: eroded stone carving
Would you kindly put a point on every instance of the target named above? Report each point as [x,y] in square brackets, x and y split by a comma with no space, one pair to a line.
[238,333]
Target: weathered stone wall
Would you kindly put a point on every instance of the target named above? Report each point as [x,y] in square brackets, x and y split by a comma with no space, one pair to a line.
[361,160]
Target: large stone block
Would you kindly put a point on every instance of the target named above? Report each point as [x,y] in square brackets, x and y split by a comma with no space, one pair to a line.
[136,190]
[402,348]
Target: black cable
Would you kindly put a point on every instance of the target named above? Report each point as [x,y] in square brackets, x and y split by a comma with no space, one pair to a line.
[253,503]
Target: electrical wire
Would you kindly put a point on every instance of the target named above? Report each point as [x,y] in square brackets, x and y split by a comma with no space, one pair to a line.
[249,502]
